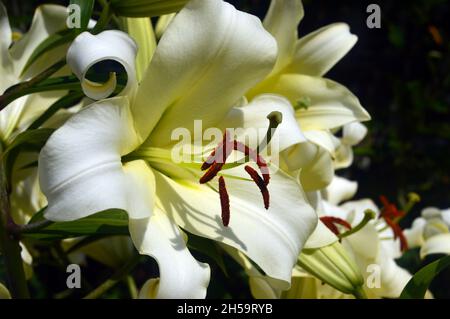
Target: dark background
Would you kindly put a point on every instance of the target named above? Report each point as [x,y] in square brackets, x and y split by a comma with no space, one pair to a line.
[401,75]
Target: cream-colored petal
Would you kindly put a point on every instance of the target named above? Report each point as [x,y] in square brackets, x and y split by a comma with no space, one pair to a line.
[353,133]
[163,23]
[330,105]
[141,30]
[4,292]
[340,189]
[343,156]
[181,276]
[111,45]
[438,244]
[319,172]
[317,52]
[282,21]
[324,139]
[414,235]
[208,57]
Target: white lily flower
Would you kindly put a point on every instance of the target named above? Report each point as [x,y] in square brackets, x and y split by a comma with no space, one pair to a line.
[321,105]
[430,232]
[208,57]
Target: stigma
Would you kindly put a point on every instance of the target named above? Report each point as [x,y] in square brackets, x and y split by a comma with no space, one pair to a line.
[217,159]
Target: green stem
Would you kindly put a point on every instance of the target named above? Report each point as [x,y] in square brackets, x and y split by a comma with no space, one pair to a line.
[132,287]
[10,246]
[115,278]
[15,91]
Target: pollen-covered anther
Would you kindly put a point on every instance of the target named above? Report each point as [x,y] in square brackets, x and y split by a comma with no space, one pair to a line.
[260,183]
[224,201]
[331,222]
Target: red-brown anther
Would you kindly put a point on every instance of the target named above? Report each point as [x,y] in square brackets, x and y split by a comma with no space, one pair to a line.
[220,152]
[217,159]
[390,213]
[262,165]
[331,221]
[224,202]
[260,183]
[389,210]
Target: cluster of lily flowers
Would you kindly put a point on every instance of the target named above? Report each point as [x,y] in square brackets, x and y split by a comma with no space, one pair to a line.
[275,206]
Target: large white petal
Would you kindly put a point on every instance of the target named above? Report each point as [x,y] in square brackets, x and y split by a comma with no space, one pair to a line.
[438,244]
[317,52]
[48,19]
[272,238]
[80,167]
[181,276]
[87,50]
[208,57]
[282,21]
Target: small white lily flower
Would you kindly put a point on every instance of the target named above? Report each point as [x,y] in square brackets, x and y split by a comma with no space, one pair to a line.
[116,153]
[430,232]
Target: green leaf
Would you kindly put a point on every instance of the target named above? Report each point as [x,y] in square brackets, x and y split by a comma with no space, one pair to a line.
[53,41]
[108,222]
[31,140]
[86,8]
[65,102]
[207,247]
[419,283]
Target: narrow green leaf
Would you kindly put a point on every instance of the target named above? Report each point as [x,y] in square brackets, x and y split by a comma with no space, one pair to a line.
[419,283]
[108,222]
[53,41]
[86,8]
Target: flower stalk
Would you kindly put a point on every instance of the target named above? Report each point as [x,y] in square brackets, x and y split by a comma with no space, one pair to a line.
[10,246]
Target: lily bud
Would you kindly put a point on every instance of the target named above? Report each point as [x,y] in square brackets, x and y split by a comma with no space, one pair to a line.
[332,265]
[146,8]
